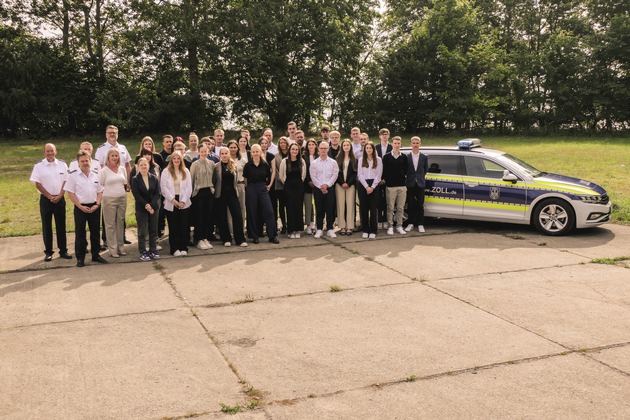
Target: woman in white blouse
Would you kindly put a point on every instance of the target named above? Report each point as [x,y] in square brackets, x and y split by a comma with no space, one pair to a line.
[176,187]
[370,170]
[113,178]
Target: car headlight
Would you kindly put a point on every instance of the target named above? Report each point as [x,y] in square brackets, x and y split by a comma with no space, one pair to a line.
[594,199]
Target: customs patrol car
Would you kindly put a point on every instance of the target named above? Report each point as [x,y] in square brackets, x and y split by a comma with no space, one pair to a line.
[476,183]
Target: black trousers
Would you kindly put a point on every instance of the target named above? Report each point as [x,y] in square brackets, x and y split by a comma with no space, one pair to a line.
[369,207]
[382,204]
[93,221]
[48,209]
[259,211]
[325,205]
[202,204]
[295,205]
[415,205]
[178,230]
[281,198]
[221,206]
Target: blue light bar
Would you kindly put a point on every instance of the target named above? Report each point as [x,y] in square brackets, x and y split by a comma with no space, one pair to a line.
[468,144]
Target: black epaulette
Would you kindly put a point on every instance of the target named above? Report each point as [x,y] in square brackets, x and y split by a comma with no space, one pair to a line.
[71,172]
[102,145]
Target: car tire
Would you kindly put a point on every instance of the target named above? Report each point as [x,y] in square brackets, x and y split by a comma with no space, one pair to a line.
[554,217]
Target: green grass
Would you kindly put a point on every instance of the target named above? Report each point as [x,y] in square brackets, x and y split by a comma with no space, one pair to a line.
[605,161]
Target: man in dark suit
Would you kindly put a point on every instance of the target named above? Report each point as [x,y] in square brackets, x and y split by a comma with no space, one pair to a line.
[383,148]
[418,164]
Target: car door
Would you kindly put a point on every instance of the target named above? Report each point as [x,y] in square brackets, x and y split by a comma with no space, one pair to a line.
[487,196]
[444,191]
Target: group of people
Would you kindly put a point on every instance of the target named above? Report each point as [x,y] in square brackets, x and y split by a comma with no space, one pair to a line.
[237,190]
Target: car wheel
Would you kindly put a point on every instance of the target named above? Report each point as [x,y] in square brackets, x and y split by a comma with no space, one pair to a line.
[554,217]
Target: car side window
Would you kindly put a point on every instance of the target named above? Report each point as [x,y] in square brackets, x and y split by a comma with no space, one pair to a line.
[483,168]
[444,164]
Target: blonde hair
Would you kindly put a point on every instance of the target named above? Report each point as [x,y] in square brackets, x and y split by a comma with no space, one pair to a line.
[147,138]
[230,163]
[181,166]
[110,152]
[259,148]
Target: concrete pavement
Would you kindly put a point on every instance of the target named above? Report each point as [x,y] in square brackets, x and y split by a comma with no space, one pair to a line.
[465,321]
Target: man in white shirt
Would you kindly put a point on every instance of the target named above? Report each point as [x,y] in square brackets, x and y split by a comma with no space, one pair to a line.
[86,192]
[49,177]
[94,164]
[418,165]
[357,148]
[273,149]
[324,171]
[219,136]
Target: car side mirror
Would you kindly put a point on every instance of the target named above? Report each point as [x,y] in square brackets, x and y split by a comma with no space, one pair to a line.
[510,177]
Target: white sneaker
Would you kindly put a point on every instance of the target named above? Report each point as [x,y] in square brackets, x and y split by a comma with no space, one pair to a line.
[244,244]
[292,235]
[227,244]
[409,228]
[177,253]
[390,230]
[421,229]
[309,231]
[372,236]
[365,235]
[158,248]
[202,245]
[318,234]
[208,244]
[297,235]
[184,253]
[331,233]
[400,230]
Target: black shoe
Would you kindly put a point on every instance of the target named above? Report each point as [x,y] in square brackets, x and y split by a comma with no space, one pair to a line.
[127,241]
[48,258]
[104,247]
[256,241]
[284,230]
[80,263]
[213,238]
[274,240]
[100,259]
[65,256]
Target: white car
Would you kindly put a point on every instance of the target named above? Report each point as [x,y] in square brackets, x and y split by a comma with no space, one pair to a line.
[475,183]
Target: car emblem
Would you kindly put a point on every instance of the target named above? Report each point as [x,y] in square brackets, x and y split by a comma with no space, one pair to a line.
[494,193]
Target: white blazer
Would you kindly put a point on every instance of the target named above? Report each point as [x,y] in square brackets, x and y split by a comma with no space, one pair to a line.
[167,187]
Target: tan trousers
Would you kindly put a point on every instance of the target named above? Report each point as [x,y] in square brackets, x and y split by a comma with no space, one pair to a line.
[396,198]
[345,206]
[114,209]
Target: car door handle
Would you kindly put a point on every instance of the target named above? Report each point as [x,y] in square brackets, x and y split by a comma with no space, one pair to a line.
[472,184]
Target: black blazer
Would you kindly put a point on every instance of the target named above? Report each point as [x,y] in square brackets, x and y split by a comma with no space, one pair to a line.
[351,178]
[418,175]
[144,196]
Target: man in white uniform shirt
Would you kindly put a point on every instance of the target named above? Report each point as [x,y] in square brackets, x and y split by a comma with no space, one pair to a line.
[94,164]
[49,177]
[86,192]
[324,172]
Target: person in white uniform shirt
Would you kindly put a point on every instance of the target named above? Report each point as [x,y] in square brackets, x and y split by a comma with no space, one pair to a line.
[94,164]
[49,177]
[86,192]
[324,171]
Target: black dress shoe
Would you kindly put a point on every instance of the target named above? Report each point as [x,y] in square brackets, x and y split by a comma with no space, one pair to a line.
[256,240]
[127,241]
[65,256]
[48,258]
[80,263]
[100,259]
[274,240]
[284,230]
[104,247]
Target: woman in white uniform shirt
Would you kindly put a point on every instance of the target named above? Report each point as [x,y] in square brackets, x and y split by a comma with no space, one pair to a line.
[113,178]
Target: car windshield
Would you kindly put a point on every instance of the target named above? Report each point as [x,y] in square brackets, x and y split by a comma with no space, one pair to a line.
[526,166]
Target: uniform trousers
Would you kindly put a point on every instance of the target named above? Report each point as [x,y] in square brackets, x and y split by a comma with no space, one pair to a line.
[48,209]
[93,221]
